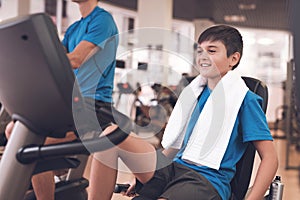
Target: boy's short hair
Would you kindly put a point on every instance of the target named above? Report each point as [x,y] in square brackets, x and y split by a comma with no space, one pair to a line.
[229,36]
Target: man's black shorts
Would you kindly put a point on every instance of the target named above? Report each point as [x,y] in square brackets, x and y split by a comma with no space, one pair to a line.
[106,120]
[92,118]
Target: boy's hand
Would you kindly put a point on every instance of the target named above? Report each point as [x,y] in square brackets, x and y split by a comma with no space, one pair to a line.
[125,189]
[130,191]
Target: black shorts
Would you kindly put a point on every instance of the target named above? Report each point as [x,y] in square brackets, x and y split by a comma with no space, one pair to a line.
[104,120]
[92,107]
[176,182]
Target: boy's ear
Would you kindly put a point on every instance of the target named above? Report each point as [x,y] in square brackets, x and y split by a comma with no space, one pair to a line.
[234,58]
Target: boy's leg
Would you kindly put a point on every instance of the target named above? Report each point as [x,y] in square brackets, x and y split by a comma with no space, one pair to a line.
[138,155]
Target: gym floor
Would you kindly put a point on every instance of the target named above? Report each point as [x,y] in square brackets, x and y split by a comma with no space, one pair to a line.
[290,177]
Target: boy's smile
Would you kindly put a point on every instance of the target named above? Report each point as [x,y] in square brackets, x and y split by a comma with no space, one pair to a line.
[205,65]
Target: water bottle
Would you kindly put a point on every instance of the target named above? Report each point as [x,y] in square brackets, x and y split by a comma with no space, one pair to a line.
[276,189]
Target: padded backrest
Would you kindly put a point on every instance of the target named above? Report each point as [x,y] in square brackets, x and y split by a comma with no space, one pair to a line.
[241,180]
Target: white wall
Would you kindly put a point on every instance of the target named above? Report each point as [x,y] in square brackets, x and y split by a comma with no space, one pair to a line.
[37,6]
[8,9]
[265,56]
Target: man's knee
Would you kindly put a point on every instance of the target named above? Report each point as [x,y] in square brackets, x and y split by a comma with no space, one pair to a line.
[8,129]
[69,137]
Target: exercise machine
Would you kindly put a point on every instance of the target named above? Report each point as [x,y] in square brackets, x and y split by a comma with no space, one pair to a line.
[39,91]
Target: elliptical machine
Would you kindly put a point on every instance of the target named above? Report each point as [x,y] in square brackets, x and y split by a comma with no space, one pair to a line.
[40,93]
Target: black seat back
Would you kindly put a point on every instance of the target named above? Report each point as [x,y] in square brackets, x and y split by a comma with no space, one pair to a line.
[241,180]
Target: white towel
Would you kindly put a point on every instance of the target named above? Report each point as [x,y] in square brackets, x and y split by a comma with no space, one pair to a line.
[209,139]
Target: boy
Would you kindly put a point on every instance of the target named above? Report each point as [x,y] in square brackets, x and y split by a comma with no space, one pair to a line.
[214,119]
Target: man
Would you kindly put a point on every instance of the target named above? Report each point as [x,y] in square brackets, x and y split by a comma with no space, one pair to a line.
[81,39]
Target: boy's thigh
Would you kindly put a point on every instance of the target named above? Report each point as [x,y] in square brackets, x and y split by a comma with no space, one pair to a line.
[162,175]
[177,182]
[189,184]
[191,190]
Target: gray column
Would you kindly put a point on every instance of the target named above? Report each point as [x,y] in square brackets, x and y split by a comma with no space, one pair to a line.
[201,25]
[23,7]
[156,14]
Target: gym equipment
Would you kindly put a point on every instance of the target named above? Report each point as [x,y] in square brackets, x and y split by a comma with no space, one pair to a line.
[152,116]
[39,91]
[291,130]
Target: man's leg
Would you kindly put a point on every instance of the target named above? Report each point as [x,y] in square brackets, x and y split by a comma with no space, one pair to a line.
[43,183]
[102,180]
[138,155]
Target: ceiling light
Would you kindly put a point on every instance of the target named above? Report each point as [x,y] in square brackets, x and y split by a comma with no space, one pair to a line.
[235,18]
[251,6]
[265,41]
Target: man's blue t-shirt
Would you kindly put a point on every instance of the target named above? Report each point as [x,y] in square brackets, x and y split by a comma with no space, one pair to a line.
[96,75]
[250,125]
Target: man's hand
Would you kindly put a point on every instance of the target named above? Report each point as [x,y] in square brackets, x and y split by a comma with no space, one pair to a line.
[80,53]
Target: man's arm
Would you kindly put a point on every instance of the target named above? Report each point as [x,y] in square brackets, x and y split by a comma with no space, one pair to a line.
[80,53]
[266,171]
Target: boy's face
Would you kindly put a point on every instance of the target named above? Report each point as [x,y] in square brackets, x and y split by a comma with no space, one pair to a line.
[212,59]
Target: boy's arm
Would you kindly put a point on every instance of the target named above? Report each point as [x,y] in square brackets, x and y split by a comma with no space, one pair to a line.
[267,169]
[170,152]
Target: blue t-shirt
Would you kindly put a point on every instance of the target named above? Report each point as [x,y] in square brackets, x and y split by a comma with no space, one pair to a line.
[250,125]
[96,75]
